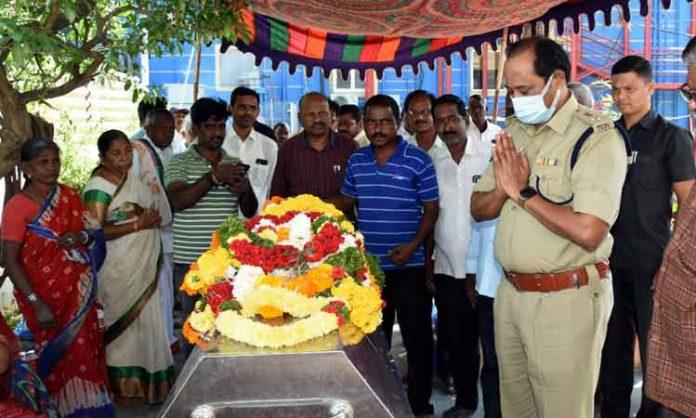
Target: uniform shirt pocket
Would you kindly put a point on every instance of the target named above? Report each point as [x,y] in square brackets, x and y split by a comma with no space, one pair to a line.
[650,172]
[551,183]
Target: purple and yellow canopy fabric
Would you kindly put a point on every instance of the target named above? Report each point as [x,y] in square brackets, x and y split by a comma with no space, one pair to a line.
[381,34]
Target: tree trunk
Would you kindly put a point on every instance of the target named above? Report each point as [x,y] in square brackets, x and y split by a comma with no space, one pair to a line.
[16,128]
[197,70]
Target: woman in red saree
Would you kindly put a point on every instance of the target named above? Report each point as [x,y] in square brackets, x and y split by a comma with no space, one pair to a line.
[45,251]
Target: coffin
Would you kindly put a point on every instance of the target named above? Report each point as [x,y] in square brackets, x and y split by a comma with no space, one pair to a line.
[321,378]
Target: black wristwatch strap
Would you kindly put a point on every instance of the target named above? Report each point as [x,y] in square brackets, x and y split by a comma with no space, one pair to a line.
[526,194]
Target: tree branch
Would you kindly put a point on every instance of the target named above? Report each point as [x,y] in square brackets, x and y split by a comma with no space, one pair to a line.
[53,16]
[78,80]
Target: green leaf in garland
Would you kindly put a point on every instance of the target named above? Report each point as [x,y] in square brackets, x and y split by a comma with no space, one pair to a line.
[230,305]
[376,271]
[232,226]
[316,225]
[351,259]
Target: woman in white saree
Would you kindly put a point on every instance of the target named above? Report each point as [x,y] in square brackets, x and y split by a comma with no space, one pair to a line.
[129,203]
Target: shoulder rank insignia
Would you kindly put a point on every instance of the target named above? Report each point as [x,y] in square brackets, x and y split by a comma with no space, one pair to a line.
[604,127]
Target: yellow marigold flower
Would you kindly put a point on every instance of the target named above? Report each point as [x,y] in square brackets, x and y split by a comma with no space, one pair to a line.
[348,227]
[269,234]
[365,304]
[350,334]
[269,312]
[301,203]
[269,280]
[192,283]
[320,277]
[212,266]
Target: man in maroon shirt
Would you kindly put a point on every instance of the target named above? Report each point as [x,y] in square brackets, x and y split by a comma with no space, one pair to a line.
[314,161]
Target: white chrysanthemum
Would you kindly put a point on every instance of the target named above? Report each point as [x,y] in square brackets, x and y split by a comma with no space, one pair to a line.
[262,224]
[300,231]
[230,272]
[245,281]
[348,242]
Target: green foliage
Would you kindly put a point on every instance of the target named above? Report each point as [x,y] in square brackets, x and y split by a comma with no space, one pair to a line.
[375,269]
[232,226]
[351,259]
[78,146]
[49,47]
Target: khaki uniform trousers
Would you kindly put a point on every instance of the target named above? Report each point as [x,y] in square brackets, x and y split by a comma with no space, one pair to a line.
[549,347]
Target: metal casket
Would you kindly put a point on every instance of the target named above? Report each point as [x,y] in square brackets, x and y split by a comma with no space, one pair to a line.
[321,378]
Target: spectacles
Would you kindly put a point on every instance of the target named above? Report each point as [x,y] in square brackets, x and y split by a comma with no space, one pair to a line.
[686,93]
[419,113]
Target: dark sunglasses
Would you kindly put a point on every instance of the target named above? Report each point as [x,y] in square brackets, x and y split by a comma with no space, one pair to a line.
[686,93]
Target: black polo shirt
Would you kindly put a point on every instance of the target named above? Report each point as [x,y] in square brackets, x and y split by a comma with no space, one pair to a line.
[665,155]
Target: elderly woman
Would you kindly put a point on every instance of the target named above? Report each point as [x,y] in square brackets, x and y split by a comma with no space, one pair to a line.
[130,205]
[45,251]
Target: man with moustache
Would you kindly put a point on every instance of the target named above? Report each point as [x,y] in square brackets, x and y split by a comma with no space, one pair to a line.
[253,148]
[664,164]
[552,240]
[481,132]
[394,186]
[418,113]
[350,124]
[314,161]
[671,371]
[455,295]
[205,186]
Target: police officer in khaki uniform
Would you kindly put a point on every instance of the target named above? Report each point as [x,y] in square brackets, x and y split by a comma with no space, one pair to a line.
[556,201]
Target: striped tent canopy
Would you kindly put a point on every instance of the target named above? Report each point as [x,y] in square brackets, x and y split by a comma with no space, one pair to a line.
[381,34]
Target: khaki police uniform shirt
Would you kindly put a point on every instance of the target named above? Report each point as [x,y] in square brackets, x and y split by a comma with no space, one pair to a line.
[522,243]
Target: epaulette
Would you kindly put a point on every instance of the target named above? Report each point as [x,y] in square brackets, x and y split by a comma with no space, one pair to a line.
[600,123]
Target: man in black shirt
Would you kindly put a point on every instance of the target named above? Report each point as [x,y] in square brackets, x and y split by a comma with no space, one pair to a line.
[664,163]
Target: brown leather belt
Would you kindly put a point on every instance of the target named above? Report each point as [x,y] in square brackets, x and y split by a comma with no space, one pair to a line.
[553,282]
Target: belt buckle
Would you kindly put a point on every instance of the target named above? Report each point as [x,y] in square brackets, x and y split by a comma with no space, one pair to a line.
[576,280]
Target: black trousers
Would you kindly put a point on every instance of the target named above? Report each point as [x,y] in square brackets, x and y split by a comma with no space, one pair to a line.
[407,295]
[185,301]
[631,316]
[490,380]
[458,329]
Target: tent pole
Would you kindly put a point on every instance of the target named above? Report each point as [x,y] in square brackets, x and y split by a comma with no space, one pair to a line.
[499,81]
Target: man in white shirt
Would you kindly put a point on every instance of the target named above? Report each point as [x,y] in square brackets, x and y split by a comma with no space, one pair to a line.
[418,112]
[243,141]
[457,171]
[481,132]
[144,107]
[159,129]
[179,142]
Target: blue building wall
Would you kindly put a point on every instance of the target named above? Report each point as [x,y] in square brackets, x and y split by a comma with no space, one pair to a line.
[280,91]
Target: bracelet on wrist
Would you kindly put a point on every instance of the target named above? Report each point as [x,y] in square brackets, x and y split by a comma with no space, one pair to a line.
[85,237]
[135,226]
[32,297]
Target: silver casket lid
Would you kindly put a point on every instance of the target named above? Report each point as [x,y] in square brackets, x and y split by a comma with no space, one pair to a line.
[320,378]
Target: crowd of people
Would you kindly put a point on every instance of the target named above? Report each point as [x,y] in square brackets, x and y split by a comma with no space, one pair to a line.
[545,246]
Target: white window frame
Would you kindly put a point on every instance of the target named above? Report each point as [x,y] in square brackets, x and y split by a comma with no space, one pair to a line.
[218,82]
[353,76]
[491,83]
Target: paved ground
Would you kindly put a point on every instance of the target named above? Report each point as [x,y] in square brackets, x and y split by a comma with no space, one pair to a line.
[442,399]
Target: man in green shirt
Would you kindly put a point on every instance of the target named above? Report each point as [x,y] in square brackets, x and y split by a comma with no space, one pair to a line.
[205,186]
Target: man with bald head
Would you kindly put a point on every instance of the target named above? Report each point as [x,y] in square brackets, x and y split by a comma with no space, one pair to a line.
[314,161]
[159,126]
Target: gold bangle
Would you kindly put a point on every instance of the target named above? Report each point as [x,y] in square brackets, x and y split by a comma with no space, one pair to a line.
[135,226]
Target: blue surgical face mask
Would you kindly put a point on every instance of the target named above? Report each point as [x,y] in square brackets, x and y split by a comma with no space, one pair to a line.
[532,110]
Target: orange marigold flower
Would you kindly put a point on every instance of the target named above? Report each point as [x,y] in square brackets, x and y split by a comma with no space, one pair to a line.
[190,334]
[214,241]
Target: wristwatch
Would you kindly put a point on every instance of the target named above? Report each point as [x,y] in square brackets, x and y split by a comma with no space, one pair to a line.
[526,194]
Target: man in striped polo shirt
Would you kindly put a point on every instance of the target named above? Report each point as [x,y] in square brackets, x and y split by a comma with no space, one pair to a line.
[394,186]
[205,186]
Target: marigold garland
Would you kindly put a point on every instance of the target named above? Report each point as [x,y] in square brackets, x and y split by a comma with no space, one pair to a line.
[295,272]
[234,326]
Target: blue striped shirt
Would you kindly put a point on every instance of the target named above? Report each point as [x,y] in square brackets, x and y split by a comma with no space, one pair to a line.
[390,198]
